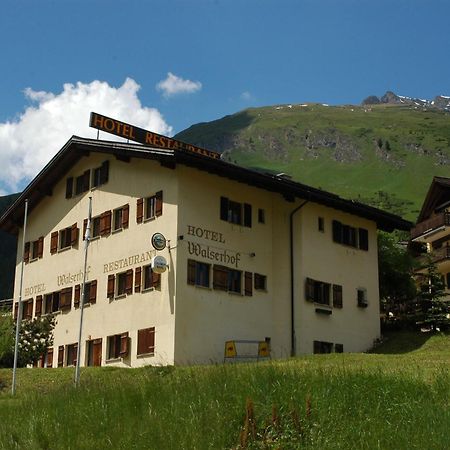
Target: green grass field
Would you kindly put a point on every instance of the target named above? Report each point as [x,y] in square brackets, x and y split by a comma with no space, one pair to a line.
[397,397]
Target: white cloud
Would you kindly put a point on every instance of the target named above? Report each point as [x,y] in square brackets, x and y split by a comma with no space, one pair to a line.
[174,85]
[28,143]
[246,96]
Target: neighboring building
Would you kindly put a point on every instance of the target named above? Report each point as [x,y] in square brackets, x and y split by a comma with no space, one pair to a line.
[433,228]
[251,256]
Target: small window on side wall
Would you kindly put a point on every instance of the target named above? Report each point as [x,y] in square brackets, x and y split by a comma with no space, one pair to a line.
[261,215]
[321,224]
[362,298]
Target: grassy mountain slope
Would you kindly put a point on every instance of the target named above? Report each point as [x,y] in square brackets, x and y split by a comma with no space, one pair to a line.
[8,247]
[385,155]
[396,399]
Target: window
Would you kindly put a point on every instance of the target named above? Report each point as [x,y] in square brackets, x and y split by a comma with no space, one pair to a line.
[146,341]
[317,291]
[321,224]
[118,346]
[149,208]
[71,354]
[38,309]
[234,281]
[260,282]
[198,273]
[362,298]
[82,183]
[337,296]
[94,352]
[151,279]
[120,218]
[120,284]
[322,347]
[69,187]
[95,230]
[100,174]
[261,216]
[90,293]
[27,309]
[65,238]
[338,348]
[100,225]
[51,302]
[234,212]
[347,235]
[33,250]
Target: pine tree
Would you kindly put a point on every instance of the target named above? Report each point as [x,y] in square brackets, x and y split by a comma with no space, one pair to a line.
[434,309]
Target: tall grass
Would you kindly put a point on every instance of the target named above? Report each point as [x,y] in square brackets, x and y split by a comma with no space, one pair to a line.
[320,402]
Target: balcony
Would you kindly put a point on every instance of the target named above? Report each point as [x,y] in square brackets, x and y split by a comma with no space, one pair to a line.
[438,255]
[428,229]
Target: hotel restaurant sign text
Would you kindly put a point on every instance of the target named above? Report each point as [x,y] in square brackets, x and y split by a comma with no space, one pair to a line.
[145,137]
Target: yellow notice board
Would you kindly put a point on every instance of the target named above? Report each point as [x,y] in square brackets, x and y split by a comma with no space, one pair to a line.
[230,349]
[263,349]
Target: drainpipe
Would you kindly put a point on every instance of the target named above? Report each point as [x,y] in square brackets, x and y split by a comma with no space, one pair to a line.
[291,234]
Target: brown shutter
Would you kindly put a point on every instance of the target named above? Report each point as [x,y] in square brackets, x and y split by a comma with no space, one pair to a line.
[49,358]
[247,215]
[107,225]
[191,271]
[69,187]
[223,208]
[156,280]
[54,242]
[38,310]
[60,355]
[26,253]
[85,221]
[146,341]
[74,235]
[97,352]
[139,210]
[102,224]
[151,340]
[220,278]
[309,290]
[124,345]
[40,247]
[28,306]
[248,284]
[104,172]
[77,296]
[93,291]
[125,216]
[74,354]
[159,203]
[65,300]
[86,180]
[129,282]
[110,289]
[137,279]
[337,296]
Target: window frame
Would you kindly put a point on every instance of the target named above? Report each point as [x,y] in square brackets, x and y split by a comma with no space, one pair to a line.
[260,282]
[146,342]
[195,271]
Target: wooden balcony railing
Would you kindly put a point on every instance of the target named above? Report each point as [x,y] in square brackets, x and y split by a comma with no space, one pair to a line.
[437,255]
[430,224]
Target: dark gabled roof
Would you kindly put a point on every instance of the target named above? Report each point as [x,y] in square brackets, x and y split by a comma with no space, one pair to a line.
[438,195]
[77,147]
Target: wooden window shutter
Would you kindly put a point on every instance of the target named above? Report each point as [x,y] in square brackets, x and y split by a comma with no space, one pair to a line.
[223,208]
[54,242]
[337,231]
[156,280]
[125,216]
[124,345]
[66,298]
[159,203]
[104,172]
[107,225]
[38,309]
[337,296]
[86,180]
[191,271]
[139,210]
[220,278]
[309,290]
[102,224]
[129,282]
[85,221]
[247,215]
[26,253]
[137,279]
[363,239]
[74,354]
[69,187]
[29,309]
[40,247]
[151,340]
[74,235]
[60,355]
[49,358]
[77,296]
[93,291]
[248,284]
[110,288]
[16,309]
[142,344]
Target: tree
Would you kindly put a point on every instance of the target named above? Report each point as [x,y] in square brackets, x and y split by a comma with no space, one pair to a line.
[397,286]
[34,339]
[433,308]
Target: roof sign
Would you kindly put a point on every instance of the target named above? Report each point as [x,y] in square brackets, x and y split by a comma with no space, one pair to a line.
[145,137]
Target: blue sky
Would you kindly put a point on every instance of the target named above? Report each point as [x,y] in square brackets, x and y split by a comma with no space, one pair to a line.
[224,56]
